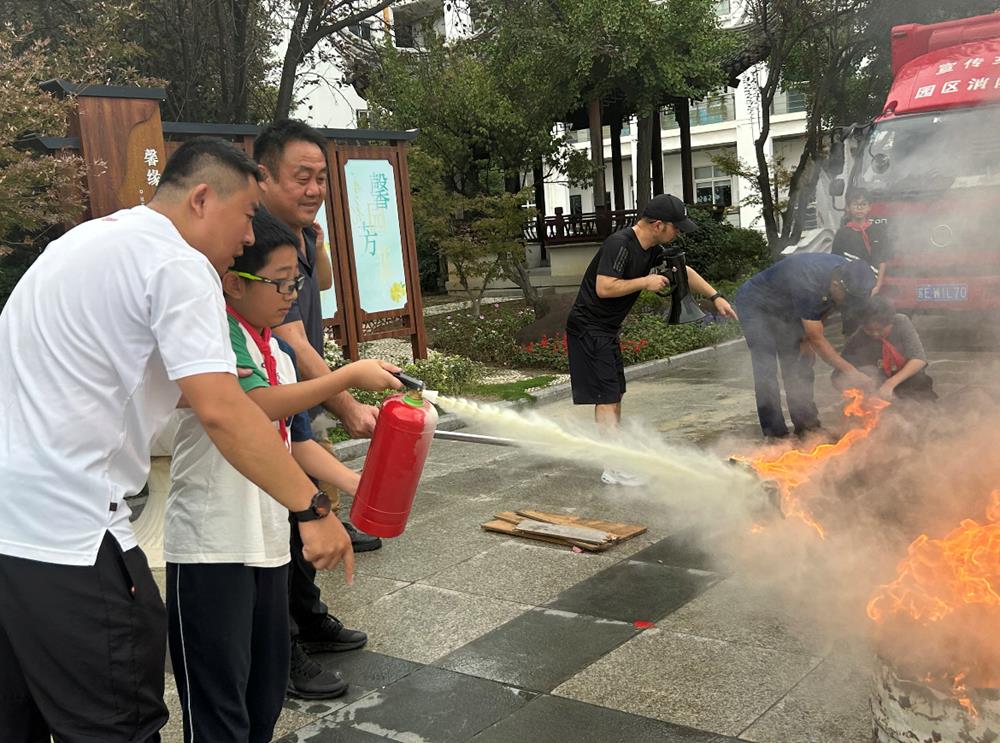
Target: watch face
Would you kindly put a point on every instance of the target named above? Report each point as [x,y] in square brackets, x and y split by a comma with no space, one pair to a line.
[321,504]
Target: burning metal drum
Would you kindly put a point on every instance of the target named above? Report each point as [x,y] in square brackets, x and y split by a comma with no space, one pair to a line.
[909,711]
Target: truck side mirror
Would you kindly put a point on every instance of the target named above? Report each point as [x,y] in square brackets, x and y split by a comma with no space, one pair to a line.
[837,187]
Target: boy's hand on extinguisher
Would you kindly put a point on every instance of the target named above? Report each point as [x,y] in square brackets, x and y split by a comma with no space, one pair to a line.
[375,375]
[326,543]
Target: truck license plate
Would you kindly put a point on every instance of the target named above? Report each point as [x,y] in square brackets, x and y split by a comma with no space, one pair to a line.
[942,292]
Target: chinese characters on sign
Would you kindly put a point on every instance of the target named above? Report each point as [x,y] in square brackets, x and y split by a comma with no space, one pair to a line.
[152,160]
[975,74]
[376,235]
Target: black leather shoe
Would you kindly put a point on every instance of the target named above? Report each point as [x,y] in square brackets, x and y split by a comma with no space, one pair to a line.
[330,636]
[360,541]
[307,679]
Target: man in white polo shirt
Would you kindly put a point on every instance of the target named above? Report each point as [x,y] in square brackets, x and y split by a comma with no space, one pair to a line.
[99,339]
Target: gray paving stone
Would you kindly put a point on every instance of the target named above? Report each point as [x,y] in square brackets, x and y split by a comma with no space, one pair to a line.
[687,548]
[634,591]
[430,706]
[429,546]
[345,601]
[557,720]
[830,705]
[702,683]
[736,612]
[539,649]
[522,571]
[322,733]
[423,623]
[365,671]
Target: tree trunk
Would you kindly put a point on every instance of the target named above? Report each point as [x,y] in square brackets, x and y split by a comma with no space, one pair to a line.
[643,156]
[617,178]
[597,151]
[242,14]
[519,275]
[683,113]
[295,52]
[225,56]
[538,176]
[656,153]
[767,92]
[802,184]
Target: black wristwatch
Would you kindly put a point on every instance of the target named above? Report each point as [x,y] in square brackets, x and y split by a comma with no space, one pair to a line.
[717,295]
[319,508]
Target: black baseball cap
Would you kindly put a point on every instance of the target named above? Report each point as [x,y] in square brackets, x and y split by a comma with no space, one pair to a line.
[858,279]
[668,208]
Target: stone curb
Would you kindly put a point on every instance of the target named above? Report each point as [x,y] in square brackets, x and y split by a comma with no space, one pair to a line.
[354,448]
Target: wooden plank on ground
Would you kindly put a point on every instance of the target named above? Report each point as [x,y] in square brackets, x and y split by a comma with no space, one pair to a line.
[505,522]
[506,527]
[567,531]
[620,530]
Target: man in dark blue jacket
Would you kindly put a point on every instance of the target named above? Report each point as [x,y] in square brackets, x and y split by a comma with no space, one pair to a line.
[782,310]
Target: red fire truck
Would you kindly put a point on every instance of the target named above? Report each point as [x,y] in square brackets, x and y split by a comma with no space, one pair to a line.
[931,162]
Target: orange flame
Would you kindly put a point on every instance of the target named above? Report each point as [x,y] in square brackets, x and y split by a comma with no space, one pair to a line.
[795,467]
[948,589]
[940,576]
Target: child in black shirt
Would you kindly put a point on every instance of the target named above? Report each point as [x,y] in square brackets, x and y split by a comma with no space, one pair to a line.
[863,240]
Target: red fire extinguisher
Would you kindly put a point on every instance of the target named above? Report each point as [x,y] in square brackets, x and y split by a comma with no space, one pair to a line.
[395,460]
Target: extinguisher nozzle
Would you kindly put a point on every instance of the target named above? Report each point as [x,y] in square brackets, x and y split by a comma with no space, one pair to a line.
[411,382]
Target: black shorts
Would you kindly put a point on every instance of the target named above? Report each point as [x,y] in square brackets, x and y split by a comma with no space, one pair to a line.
[596,369]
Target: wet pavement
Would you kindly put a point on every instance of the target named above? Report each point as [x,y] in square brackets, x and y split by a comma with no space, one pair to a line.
[475,636]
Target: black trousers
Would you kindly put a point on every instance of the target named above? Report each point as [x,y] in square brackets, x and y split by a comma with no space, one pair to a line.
[228,627]
[775,341]
[305,607]
[82,650]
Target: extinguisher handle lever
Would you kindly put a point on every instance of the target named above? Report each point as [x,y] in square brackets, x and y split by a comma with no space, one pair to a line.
[412,382]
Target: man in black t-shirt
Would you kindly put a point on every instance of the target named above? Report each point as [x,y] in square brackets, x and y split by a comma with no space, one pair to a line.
[610,286]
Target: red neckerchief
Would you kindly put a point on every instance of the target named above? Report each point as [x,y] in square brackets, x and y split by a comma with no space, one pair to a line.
[862,227]
[892,359]
[263,342]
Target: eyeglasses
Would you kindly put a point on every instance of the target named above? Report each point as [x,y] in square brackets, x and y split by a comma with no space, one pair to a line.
[285,287]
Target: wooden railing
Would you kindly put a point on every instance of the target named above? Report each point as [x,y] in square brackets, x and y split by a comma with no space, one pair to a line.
[566,229]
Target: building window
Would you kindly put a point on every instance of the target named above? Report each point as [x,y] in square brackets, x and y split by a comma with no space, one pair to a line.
[715,109]
[713,186]
[361,30]
[723,8]
[364,120]
[789,102]
[575,204]
[405,38]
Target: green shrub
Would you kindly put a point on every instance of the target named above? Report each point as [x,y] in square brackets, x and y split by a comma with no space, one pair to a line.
[548,353]
[445,373]
[719,251]
[487,337]
[644,338]
[649,303]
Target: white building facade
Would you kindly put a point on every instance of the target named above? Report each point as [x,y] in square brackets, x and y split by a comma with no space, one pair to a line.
[726,122]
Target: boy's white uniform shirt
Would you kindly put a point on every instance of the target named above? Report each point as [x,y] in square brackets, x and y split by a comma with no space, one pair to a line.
[214,514]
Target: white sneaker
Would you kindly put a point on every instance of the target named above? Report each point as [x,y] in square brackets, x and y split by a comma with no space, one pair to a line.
[616,477]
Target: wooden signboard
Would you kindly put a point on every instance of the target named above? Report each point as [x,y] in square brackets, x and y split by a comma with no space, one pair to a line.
[121,140]
[376,242]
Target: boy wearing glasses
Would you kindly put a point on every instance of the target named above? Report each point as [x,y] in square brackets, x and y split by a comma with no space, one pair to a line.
[226,542]
[860,239]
